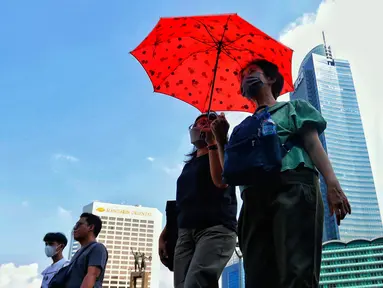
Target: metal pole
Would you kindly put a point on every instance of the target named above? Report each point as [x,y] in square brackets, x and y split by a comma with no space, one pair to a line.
[240,265]
[240,273]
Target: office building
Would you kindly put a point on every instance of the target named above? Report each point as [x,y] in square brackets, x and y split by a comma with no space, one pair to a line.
[233,274]
[328,85]
[358,263]
[126,229]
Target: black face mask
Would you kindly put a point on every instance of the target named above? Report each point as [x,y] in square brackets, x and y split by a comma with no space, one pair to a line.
[251,85]
[197,138]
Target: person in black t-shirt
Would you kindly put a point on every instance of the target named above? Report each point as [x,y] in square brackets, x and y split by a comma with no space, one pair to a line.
[207,210]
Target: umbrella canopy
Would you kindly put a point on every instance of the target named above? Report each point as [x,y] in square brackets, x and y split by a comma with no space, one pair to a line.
[198,59]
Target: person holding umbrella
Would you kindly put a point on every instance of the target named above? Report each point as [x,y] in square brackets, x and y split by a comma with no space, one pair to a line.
[281,220]
[198,59]
[206,209]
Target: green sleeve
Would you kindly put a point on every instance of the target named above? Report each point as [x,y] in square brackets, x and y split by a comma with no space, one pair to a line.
[305,116]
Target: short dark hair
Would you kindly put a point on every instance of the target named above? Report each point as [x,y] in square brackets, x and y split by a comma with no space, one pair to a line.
[56,237]
[271,70]
[94,220]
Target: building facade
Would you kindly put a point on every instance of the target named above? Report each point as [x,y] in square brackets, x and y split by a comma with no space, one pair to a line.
[126,229]
[328,85]
[358,263]
[233,274]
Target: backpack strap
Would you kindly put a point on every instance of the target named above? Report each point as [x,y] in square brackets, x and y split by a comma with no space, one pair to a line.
[80,253]
[87,259]
[292,141]
[260,108]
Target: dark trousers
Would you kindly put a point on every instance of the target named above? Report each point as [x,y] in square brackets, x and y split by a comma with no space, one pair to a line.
[280,232]
[201,256]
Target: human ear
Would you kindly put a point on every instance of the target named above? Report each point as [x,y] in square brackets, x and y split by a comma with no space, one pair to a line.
[271,80]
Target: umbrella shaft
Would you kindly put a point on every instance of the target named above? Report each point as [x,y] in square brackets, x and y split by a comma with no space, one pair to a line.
[214,75]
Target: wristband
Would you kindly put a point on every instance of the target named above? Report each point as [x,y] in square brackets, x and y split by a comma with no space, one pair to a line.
[212,147]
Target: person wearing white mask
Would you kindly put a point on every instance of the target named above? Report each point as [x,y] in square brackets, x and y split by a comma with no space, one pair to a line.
[54,246]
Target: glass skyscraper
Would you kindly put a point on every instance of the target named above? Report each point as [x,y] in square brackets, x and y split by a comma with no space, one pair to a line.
[328,85]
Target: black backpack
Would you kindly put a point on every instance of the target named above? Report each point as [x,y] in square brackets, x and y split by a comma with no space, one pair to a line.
[251,157]
[61,277]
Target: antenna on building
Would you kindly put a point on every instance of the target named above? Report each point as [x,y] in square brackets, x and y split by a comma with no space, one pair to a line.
[327,49]
[324,39]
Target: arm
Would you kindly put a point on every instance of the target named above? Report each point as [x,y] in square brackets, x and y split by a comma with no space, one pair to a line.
[97,259]
[318,155]
[337,200]
[216,168]
[162,247]
[221,152]
[91,277]
[219,129]
[163,233]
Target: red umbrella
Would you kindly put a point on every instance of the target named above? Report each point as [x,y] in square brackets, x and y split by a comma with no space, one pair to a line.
[198,59]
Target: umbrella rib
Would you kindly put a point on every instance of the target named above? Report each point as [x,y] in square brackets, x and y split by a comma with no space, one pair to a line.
[203,42]
[232,42]
[207,30]
[179,64]
[228,55]
[241,49]
[156,43]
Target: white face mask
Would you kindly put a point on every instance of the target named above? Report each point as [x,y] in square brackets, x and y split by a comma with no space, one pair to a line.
[50,251]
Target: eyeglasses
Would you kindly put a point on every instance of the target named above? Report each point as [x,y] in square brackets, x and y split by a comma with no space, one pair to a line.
[204,120]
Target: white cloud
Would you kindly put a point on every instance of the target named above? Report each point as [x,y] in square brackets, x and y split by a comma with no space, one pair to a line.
[65,157]
[12,276]
[166,278]
[64,214]
[173,171]
[150,159]
[353,31]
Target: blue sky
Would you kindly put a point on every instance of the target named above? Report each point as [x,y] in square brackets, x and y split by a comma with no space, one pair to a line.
[78,119]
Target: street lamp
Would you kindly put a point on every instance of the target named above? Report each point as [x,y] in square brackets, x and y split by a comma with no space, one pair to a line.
[239,255]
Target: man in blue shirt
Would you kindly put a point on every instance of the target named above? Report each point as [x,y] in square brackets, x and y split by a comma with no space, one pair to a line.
[89,262]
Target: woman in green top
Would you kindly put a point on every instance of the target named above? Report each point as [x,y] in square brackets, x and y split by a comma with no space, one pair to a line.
[281,224]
